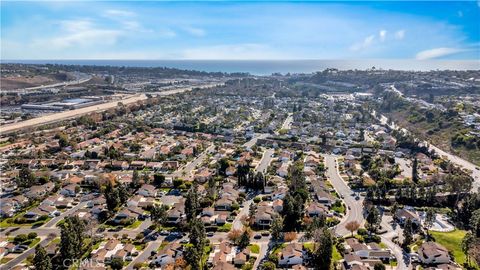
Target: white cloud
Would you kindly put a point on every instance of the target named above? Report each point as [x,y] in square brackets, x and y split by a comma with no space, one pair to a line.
[367,42]
[118,13]
[437,52]
[383,35]
[400,34]
[194,31]
[80,33]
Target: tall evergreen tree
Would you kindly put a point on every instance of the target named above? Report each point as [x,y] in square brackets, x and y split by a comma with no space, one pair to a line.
[323,248]
[71,239]
[192,202]
[41,261]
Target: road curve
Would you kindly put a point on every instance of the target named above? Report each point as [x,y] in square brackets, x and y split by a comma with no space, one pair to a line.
[355,213]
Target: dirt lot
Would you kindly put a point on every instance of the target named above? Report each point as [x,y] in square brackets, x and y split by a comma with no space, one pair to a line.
[12,83]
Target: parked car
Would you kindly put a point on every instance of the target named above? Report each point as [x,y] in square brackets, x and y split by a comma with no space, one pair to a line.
[257,236]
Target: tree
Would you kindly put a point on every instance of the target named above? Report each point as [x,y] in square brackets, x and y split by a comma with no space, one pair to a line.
[25,178]
[276,228]
[195,250]
[429,219]
[352,226]
[415,170]
[116,264]
[192,202]
[71,239]
[159,214]
[467,243]
[158,179]
[323,248]
[379,266]
[407,233]
[475,222]
[244,240]
[268,266]
[135,179]
[373,219]
[458,184]
[41,261]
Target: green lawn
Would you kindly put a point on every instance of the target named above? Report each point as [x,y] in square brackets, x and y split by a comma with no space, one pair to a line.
[336,256]
[34,242]
[225,227]
[278,248]
[254,248]
[453,242]
[4,260]
[339,209]
[135,224]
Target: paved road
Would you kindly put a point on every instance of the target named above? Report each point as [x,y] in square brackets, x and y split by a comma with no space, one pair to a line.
[387,238]
[253,141]
[356,206]
[189,167]
[20,258]
[55,117]
[55,220]
[287,124]
[75,82]
[143,256]
[452,158]
[265,161]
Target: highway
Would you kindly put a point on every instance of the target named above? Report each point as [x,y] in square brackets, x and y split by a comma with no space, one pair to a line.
[56,117]
[475,170]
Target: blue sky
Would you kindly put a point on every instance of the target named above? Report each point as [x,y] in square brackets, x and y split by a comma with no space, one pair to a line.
[240,30]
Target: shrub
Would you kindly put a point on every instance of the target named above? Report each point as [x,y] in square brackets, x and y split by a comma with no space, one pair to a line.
[20,238]
[362,231]
[177,182]
[290,236]
[235,206]
[32,235]
[256,199]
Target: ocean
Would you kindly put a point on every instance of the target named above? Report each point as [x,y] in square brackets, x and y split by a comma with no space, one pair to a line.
[267,67]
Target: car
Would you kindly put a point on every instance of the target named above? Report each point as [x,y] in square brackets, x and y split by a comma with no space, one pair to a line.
[357,198]
[257,236]
[184,241]
[265,233]
[128,258]
[210,234]
[349,208]
[164,233]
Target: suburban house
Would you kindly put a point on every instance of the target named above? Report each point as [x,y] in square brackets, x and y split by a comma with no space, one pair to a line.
[433,253]
[291,255]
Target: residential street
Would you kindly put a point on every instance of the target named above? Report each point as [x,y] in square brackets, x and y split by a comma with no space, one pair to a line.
[356,206]
[186,170]
[20,258]
[51,223]
[143,256]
